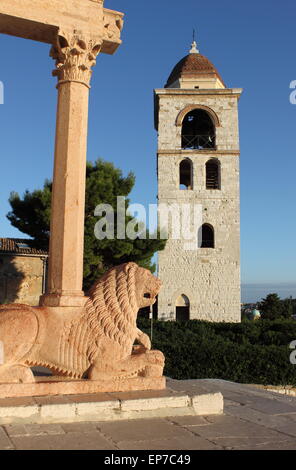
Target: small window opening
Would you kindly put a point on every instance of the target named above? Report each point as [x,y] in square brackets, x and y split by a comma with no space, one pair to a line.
[185,174]
[213,174]
[207,237]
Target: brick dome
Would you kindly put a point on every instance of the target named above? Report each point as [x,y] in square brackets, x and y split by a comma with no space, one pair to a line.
[194,65]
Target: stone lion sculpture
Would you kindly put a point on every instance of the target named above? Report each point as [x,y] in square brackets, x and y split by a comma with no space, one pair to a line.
[97,342]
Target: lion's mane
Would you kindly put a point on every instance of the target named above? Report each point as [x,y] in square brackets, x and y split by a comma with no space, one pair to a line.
[111,308]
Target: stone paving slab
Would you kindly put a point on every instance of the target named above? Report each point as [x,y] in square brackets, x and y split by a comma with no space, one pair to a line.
[242,426]
[33,430]
[284,390]
[5,441]
[231,427]
[175,443]
[287,445]
[77,441]
[154,429]
[283,423]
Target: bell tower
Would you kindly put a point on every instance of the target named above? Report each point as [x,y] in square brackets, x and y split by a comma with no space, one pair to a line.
[196,117]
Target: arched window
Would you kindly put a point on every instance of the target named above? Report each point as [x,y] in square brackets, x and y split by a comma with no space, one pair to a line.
[207,236]
[213,180]
[185,179]
[198,131]
[182,308]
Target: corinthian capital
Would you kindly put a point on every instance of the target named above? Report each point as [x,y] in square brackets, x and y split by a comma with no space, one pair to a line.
[75,55]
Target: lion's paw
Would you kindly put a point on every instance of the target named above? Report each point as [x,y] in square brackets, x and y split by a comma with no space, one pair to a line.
[16,373]
[155,357]
[145,341]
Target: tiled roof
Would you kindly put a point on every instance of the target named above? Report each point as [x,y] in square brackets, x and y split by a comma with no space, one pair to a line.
[20,246]
[193,65]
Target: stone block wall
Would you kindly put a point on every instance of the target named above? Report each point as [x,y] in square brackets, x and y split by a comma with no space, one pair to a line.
[21,279]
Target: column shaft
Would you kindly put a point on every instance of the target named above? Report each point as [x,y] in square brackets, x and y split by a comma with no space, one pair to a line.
[64,286]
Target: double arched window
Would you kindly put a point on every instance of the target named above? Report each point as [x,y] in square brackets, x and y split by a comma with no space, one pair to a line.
[198,131]
[213,174]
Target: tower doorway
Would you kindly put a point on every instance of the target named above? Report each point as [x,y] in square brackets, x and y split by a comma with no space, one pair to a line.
[182,308]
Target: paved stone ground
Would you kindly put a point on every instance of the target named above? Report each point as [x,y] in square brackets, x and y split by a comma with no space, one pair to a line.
[253,419]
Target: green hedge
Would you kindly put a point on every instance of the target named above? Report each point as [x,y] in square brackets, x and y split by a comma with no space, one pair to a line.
[249,352]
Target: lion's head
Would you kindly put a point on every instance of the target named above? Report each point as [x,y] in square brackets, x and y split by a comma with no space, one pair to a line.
[115,299]
[147,287]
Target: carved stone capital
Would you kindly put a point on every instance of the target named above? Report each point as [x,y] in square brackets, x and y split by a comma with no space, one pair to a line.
[113,24]
[75,55]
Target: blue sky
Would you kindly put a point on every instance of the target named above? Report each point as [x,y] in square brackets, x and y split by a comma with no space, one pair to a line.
[252,44]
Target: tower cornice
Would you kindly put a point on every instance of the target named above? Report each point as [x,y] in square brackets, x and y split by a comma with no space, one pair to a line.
[208,92]
[195,152]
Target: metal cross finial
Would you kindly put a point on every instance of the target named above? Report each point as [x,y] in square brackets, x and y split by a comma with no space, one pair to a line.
[193,49]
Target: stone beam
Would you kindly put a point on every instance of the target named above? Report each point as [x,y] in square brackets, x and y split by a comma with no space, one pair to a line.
[43,21]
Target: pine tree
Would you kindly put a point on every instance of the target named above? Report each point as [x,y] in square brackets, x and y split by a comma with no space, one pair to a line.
[104,182]
[273,308]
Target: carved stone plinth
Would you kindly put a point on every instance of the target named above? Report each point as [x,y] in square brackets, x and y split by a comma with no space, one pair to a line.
[46,386]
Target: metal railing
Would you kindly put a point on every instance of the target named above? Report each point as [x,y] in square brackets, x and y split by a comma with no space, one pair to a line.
[212,182]
[198,142]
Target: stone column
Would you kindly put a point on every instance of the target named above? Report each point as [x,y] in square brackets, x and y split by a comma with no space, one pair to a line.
[74,58]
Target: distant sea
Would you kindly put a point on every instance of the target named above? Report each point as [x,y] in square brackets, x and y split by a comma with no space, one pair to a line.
[252,293]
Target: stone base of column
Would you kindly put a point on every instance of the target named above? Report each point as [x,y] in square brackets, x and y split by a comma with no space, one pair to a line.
[77,299]
[78,402]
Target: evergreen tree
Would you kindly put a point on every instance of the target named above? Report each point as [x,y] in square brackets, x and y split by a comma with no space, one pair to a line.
[31,215]
[287,308]
[272,307]
[104,182]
